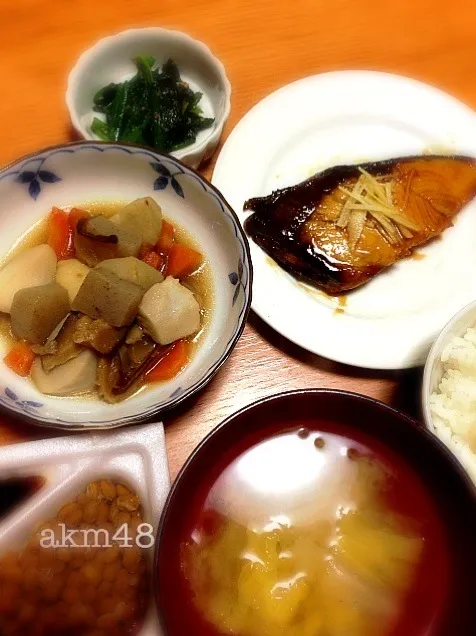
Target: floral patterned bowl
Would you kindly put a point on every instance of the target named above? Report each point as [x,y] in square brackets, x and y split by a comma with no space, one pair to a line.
[85,172]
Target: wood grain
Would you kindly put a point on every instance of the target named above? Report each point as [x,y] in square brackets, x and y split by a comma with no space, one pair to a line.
[263,44]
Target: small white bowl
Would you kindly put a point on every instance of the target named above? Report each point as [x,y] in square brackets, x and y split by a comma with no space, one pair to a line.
[432,375]
[110,60]
[85,172]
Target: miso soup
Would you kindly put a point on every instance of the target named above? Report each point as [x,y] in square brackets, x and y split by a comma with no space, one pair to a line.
[315,530]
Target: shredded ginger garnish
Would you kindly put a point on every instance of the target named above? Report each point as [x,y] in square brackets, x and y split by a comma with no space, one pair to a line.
[372,196]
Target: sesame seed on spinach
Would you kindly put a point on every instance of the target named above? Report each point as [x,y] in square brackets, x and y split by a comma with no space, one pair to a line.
[154,108]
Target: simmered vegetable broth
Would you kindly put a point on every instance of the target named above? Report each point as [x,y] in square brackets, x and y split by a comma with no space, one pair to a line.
[313,534]
[124,271]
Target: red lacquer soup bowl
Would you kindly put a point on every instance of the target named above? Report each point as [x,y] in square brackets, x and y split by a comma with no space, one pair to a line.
[318,512]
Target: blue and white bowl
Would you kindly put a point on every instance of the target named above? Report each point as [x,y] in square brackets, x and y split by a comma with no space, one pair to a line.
[86,172]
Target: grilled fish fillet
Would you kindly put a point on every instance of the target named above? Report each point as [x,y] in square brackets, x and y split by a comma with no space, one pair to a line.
[300,227]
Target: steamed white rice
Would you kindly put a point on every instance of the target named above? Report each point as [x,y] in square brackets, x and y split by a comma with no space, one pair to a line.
[453,405]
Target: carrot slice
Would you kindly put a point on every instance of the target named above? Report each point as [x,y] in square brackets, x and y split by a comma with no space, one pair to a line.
[172,363]
[166,239]
[153,259]
[20,358]
[60,234]
[183,261]
[75,215]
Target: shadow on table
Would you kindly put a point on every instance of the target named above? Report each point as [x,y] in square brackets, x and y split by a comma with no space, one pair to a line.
[205,167]
[406,383]
[14,430]
[171,416]
[405,394]
[197,403]
[73,135]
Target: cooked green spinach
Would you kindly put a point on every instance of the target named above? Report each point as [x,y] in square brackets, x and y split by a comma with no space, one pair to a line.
[154,108]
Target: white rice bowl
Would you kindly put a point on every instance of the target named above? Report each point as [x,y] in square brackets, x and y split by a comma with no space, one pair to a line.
[453,404]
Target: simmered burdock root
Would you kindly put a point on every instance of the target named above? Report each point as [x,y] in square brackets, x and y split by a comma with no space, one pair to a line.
[97,334]
[340,228]
[65,348]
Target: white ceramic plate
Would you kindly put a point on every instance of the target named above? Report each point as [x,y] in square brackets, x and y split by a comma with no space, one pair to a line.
[350,117]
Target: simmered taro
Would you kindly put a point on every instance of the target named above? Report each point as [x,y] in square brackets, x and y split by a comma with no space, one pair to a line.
[30,268]
[70,274]
[74,377]
[169,311]
[113,299]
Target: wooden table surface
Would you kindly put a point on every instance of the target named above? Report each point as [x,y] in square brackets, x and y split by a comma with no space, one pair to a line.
[263,44]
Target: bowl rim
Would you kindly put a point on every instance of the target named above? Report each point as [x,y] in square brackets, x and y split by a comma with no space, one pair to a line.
[73,83]
[149,417]
[418,427]
[433,355]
